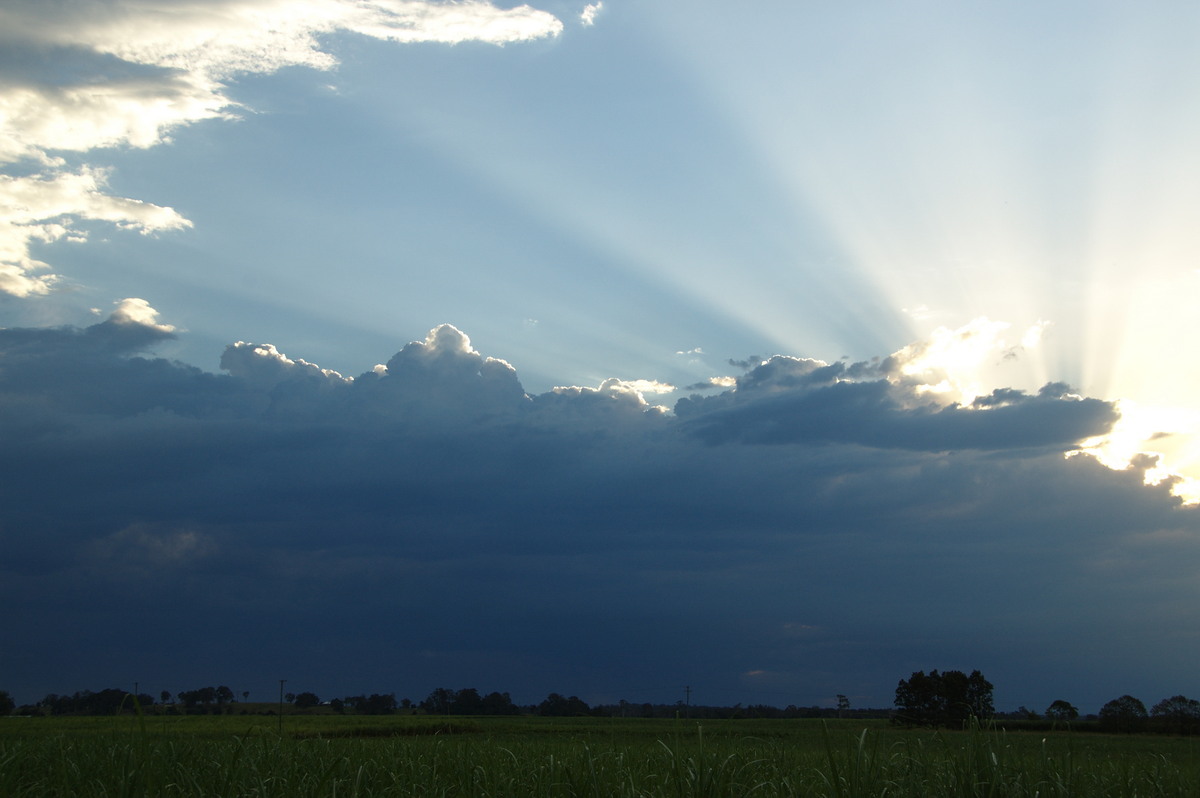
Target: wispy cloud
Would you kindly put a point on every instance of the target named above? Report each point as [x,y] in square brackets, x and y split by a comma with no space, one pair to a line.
[78,78]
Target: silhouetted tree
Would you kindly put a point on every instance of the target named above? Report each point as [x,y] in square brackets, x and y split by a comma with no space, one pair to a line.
[307,700]
[466,702]
[380,704]
[1061,710]
[843,705]
[7,705]
[438,702]
[499,704]
[556,705]
[1125,714]
[1177,714]
[198,700]
[165,696]
[943,698]
[85,702]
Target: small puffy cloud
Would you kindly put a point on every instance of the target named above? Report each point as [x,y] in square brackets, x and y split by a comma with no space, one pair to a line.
[615,401]
[440,379]
[138,311]
[589,13]
[78,77]
[264,366]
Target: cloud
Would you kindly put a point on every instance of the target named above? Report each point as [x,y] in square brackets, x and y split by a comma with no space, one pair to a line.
[42,208]
[787,400]
[809,513]
[137,312]
[81,77]
[590,12]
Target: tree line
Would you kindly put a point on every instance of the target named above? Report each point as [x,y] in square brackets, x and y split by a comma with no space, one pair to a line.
[946,698]
[951,698]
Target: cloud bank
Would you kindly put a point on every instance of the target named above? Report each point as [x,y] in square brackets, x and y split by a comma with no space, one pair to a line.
[825,527]
[83,77]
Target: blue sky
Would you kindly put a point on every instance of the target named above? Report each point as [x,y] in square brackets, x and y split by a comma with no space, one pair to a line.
[839,340]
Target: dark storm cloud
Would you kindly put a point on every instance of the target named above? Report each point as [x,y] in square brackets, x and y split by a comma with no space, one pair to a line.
[789,400]
[430,523]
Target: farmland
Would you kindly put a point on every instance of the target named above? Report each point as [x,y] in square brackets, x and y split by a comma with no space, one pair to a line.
[322,755]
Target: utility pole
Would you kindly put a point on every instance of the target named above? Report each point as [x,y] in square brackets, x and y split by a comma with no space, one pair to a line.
[281,682]
[687,701]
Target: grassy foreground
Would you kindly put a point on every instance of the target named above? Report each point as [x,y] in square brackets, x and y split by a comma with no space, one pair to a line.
[422,756]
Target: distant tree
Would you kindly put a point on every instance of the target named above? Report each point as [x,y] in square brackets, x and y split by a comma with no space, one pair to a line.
[337,705]
[165,696]
[499,704]
[245,695]
[843,705]
[1177,715]
[1061,710]
[466,702]
[307,701]
[379,704]
[291,697]
[7,704]
[198,700]
[438,702]
[556,706]
[948,698]
[85,702]
[1025,713]
[1125,714]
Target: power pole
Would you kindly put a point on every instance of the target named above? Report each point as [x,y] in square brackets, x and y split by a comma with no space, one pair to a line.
[687,701]
[281,681]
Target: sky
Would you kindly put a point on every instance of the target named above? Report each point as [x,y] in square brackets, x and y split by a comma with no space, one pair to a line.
[776,351]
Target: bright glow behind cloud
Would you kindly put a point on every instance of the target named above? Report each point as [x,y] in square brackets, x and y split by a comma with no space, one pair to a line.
[1028,166]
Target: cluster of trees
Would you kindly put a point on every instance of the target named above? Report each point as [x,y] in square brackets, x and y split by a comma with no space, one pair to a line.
[468,701]
[215,699]
[952,697]
[85,702]
[943,699]
[1175,715]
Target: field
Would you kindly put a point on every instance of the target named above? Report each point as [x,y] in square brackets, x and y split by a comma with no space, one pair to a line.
[425,756]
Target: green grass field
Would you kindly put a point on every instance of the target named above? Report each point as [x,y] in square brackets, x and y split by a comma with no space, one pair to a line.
[427,756]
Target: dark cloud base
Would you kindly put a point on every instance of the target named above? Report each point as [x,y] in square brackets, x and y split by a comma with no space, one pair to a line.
[814,530]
